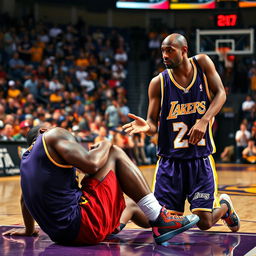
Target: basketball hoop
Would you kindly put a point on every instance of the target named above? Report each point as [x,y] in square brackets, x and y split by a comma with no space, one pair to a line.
[222,52]
[224,56]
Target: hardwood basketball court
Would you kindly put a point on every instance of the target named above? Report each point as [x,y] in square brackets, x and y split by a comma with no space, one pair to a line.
[237,180]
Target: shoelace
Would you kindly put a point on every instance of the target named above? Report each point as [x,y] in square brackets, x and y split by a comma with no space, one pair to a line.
[170,215]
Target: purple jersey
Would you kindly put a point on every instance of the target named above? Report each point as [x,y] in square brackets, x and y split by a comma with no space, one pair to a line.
[51,193]
[181,108]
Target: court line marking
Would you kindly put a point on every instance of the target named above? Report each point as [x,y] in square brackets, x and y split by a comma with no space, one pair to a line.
[252,252]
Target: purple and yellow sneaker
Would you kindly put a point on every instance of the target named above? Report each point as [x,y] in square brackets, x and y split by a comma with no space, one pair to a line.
[231,218]
[168,225]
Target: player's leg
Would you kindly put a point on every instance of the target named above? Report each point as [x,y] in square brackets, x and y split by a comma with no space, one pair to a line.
[168,184]
[208,219]
[226,212]
[134,213]
[129,176]
[203,196]
[135,186]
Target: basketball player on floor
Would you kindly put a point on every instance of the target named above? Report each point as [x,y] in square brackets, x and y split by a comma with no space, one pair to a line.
[182,110]
[70,215]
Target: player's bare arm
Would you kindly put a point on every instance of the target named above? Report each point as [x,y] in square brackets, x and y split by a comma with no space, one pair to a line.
[149,126]
[219,97]
[64,149]
[29,222]
[154,97]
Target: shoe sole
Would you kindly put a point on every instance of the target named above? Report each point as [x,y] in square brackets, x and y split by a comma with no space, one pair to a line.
[227,198]
[167,236]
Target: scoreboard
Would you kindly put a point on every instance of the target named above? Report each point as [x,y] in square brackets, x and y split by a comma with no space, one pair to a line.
[226,20]
[184,4]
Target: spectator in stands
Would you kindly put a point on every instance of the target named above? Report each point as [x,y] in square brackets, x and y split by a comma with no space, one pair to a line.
[249,153]
[112,115]
[7,132]
[24,128]
[44,56]
[248,107]
[118,72]
[82,60]
[56,98]
[78,106]
[16,66]
[31,84]
[36,52]
[121,56]
[9,119]
[9,44]
[123,111]
[43,36]
[23,49]
[55,31]
[242,137]
[12,106]
[55,84]
[102,135]
[88,84]
[13,91]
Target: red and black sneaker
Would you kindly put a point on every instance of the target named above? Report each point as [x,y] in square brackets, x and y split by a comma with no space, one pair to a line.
[168,225]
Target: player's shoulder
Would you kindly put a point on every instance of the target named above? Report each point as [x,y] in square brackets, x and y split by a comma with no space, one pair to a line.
[57,133]
[156,79]
[203,60]
[202,57]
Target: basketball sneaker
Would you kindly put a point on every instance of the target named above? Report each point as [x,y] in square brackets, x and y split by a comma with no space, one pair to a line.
[231,218]
[168,225]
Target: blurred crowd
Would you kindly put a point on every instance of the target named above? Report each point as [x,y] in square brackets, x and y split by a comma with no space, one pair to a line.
[244,148]
[68,76]
[75,77]
[246,134]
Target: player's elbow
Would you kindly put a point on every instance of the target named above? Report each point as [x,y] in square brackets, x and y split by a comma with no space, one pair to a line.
[92,167]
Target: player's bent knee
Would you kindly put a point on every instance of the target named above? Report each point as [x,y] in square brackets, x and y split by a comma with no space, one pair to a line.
[204,224]
[205,220]
[117,151]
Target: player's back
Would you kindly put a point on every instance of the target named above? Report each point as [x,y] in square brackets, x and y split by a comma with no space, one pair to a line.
[50,192]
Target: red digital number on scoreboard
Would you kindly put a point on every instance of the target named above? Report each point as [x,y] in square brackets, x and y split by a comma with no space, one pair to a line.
[227,20]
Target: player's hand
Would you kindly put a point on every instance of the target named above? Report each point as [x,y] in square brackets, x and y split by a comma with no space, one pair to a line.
[20,232]
[197,132]
[139,125]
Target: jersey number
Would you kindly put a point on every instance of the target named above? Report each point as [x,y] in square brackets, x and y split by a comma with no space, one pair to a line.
[182,130]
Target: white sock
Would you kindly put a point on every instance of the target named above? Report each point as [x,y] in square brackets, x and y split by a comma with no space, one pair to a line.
[150,206]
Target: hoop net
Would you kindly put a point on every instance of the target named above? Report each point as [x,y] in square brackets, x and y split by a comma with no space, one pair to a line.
[225,57]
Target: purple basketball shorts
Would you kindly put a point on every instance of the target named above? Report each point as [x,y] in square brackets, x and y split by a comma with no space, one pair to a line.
[192,179]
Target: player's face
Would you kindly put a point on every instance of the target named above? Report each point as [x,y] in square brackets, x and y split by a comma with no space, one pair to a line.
[172,56]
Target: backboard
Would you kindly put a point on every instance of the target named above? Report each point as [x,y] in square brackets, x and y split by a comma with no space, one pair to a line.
[239,41]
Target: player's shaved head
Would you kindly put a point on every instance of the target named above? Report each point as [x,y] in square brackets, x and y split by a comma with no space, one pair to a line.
[34,132]
[176,39]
